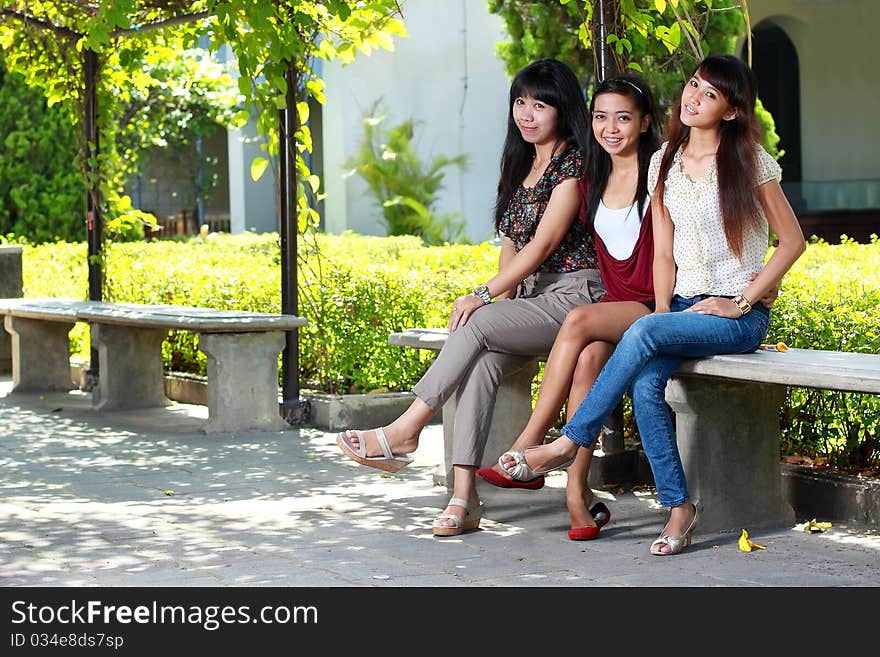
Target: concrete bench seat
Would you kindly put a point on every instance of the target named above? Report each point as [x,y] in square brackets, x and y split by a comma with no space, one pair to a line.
[241,347]
[727,422]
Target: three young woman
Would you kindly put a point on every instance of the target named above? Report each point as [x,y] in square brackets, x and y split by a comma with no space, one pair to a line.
[716,195]
[547,267]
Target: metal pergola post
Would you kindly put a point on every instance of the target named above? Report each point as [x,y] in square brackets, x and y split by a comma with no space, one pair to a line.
[603,17]
[94,219]
[294,409]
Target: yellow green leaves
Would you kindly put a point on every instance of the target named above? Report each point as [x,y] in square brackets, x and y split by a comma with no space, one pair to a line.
[258,167]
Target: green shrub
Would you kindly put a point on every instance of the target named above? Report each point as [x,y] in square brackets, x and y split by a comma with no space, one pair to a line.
[41,192]
[831,300]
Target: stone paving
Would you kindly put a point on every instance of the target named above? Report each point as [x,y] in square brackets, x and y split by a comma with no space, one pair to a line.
[122,499]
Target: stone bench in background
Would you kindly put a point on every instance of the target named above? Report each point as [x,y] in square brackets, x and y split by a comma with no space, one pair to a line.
[242,349]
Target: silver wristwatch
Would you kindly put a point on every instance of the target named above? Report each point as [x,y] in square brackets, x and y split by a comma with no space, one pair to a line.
[482,291]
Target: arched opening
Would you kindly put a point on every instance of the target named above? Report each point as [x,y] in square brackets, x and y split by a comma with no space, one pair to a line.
[775,63]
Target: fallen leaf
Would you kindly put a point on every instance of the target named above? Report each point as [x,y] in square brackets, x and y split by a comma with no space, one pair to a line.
[814,527]
[779,346]
[746,545]
[169,492]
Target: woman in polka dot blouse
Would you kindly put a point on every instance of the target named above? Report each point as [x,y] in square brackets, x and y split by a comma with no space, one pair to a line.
[716,194]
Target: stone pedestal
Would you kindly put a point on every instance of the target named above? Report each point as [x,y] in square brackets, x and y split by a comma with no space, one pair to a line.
[130,363]
[243,381]
[42,354]
[10,288]
[513,407]
[728,437]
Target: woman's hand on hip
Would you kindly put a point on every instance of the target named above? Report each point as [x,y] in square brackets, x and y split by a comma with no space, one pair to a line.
[772,294]
[718,306]
[462,308]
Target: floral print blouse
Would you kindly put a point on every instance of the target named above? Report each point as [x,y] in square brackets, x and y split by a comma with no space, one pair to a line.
[520,221]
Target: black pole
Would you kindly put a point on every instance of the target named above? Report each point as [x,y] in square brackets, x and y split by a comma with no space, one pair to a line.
[95,223]
[295,411]
[603,17]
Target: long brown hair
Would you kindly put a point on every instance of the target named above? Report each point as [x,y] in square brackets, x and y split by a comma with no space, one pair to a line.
[736,159]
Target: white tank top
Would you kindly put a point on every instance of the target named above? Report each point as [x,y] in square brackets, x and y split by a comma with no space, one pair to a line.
[619,229]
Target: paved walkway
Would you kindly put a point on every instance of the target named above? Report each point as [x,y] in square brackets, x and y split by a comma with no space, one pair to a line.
[144,499]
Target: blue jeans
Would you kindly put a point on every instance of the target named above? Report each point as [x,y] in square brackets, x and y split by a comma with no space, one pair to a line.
[647,355]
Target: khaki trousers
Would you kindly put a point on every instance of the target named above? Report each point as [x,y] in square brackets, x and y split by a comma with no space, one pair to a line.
[498,340]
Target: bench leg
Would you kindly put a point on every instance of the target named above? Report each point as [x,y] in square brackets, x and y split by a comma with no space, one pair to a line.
[728,437]
[5,352]
[130,373]
[40,354]
[243,381]
[513,407]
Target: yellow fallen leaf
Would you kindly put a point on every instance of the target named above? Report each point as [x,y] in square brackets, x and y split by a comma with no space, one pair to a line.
[779,346]
[169,492]
[746,545]
[813,527]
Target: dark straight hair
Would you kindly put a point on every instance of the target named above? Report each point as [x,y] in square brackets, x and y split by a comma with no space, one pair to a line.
[736,159]
[555,84]
[597,160]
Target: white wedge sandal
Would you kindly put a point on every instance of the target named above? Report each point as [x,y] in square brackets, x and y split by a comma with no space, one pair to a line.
[470,522]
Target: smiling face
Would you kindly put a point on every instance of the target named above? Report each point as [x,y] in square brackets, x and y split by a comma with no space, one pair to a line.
[618,124]
[702,105]
[536,120]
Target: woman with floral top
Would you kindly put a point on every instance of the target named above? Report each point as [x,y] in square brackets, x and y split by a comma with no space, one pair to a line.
[547,267]
[715,194]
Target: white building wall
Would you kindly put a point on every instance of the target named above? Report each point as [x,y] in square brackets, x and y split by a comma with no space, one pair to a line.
[839,82]
[253,205]
[445,76]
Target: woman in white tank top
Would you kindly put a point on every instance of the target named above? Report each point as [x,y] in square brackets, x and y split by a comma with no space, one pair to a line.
[624,136]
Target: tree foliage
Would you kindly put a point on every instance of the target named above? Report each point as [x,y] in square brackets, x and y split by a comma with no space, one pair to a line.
[45,41]
[662,39]
[40,191]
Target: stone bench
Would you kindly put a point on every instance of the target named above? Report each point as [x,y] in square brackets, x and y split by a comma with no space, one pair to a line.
[727,422]
[241,347]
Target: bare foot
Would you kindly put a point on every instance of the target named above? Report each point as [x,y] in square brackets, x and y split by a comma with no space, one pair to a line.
[578,503]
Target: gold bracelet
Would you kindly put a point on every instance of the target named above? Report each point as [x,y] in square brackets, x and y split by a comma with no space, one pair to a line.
[742,303]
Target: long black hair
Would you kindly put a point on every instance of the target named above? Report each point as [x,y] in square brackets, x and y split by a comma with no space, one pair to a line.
[736,159]
[598,161]
[555,84]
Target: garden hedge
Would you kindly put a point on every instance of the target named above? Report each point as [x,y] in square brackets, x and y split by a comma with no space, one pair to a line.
[355,290]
